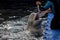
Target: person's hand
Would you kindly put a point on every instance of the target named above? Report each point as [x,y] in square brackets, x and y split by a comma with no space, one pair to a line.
[38,3]
[48,10]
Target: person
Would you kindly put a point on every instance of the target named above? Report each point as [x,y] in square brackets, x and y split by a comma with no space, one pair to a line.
[49,6]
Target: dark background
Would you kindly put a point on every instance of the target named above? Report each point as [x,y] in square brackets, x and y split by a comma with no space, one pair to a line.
[20,7]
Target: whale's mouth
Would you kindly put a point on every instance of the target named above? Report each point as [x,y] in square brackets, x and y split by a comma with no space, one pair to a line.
[37,17]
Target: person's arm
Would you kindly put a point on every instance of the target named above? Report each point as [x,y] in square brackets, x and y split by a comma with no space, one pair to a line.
[50,5]
[45,12]
[50,8]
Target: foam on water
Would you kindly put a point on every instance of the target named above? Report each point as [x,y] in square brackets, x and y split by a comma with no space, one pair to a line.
[15,30]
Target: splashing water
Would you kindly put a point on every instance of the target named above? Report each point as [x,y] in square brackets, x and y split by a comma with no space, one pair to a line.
[15,30]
